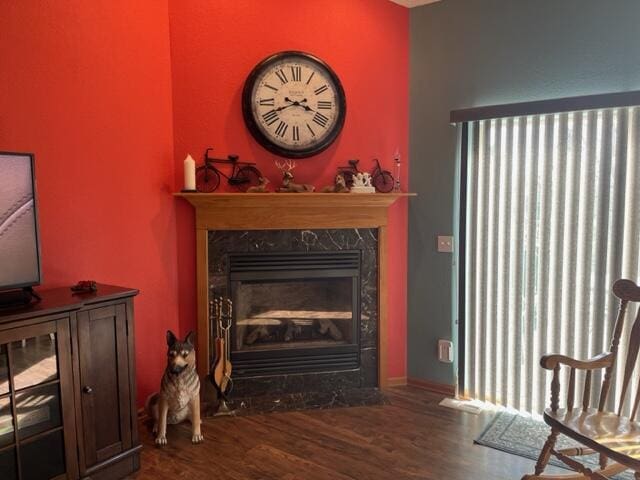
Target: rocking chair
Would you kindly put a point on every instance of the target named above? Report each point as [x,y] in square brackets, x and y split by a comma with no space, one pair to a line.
[614,438]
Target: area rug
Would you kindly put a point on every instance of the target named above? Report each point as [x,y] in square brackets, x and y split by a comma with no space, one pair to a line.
[525,436]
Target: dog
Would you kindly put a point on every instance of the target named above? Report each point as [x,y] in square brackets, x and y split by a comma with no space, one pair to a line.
[339,185]
[179,396]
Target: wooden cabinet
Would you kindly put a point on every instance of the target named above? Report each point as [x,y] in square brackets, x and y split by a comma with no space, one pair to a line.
[67,387]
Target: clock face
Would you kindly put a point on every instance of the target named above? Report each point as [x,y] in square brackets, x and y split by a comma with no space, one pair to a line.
[294,104]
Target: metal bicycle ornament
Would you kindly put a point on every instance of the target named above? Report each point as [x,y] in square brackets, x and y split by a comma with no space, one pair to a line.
[244,175]
[381,180]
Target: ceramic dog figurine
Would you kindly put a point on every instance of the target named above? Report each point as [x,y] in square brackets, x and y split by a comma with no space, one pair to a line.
[179,396]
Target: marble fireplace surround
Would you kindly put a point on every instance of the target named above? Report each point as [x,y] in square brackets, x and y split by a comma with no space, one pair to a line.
[304,387]
[346,215]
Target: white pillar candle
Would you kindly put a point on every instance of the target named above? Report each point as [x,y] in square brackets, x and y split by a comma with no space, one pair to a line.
[189,173]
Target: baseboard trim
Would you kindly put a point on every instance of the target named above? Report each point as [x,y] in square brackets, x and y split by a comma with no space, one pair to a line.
[396,381]
[434,387]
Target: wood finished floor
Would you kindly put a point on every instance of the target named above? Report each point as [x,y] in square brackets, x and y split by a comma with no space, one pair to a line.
[412,438]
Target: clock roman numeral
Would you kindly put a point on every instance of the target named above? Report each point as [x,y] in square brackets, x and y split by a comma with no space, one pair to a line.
[270,117]
[268,102]
[320,119]
[272,88]
[321,89]
[313,134]
[282,128]
[310,77]
[282,76]
[295,132]
[296,73]
[322,105]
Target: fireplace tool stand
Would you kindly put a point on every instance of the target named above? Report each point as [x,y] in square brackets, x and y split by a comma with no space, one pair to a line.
[221,317]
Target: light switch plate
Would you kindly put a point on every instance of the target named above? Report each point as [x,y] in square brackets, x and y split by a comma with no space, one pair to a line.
[445,244]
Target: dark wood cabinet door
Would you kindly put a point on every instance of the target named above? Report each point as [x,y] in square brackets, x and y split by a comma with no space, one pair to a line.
[37,418]
[104,387]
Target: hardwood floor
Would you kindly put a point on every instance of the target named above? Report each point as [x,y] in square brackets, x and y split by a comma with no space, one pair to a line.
[412,438]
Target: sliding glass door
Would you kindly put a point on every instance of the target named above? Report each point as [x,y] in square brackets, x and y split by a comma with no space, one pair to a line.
[552,219]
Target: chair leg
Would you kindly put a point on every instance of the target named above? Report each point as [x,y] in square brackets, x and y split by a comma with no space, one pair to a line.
[603,461]
[545,454]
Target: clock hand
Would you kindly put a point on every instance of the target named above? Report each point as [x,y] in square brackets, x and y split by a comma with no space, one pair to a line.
[279,109]
[295,103]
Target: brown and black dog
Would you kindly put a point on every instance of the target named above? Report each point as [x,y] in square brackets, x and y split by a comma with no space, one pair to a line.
[179,396]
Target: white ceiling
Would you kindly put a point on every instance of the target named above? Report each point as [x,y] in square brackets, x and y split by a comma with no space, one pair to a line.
[413,3]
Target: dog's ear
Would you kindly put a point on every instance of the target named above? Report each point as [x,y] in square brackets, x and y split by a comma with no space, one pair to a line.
[171,338]
[190,338]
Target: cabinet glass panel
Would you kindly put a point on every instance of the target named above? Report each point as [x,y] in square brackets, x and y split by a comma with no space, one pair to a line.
[8,464]
[38,410]
[34,361]
[6,423]
[48,451]
[4,370]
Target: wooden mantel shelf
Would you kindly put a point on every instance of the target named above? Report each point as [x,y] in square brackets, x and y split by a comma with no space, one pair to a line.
[281,211]
[291,210]
[345,200]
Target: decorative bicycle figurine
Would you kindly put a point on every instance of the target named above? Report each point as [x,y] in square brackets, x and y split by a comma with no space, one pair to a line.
[243,174]
[381,179]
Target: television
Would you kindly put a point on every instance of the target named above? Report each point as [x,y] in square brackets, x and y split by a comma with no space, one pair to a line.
[19,242]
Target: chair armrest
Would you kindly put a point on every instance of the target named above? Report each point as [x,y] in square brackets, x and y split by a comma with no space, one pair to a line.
[549,362]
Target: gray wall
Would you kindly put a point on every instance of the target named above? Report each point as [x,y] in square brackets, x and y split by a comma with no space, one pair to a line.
[467,53]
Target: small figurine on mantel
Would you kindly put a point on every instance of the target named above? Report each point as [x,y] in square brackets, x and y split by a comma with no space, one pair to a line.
[339,186]
[362,183]
[261,187]
[287,179]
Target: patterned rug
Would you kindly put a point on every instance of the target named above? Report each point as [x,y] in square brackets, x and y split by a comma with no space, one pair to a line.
[525,436]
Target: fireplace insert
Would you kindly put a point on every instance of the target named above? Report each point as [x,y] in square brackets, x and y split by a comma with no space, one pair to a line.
[295,312]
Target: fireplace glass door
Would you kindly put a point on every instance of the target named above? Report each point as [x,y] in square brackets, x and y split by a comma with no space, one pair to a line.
[295,312]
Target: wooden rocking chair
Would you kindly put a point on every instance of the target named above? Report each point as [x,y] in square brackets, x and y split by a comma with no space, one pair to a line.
[614,437]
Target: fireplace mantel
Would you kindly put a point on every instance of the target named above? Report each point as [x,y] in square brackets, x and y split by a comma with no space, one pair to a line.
[290,210]
[280,211]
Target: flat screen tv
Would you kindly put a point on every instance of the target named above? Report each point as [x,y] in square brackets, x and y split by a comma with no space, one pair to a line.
[19,245]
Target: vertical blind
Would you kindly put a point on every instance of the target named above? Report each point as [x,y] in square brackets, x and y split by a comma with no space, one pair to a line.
[552,220]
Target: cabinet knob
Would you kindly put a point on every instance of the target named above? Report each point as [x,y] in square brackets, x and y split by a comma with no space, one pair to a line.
[87,389]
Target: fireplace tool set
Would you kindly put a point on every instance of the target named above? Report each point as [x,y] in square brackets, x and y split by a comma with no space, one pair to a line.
[221,318]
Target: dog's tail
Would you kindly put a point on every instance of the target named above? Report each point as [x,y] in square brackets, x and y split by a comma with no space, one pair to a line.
[151,403]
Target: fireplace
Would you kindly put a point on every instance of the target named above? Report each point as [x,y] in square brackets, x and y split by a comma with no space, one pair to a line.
[231,226]
[295,312]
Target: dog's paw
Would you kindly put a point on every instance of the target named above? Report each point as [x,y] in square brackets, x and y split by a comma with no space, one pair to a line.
[197,438]
[155,429]
[161,441]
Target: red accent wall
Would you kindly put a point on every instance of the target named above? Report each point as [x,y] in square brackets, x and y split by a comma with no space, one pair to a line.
[86,86]
[214,46]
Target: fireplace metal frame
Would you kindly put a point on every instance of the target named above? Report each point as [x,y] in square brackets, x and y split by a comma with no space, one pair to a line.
[282,266]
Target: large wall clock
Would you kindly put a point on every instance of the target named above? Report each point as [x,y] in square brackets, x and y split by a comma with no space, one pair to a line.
[293,104]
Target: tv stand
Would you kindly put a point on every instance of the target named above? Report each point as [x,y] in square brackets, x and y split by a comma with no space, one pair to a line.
[73,358]
[19,298]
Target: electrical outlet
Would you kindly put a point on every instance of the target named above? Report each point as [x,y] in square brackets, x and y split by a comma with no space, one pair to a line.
[445,351]
[445,243]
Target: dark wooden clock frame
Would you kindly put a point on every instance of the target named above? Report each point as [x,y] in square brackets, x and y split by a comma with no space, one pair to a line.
[261,138]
